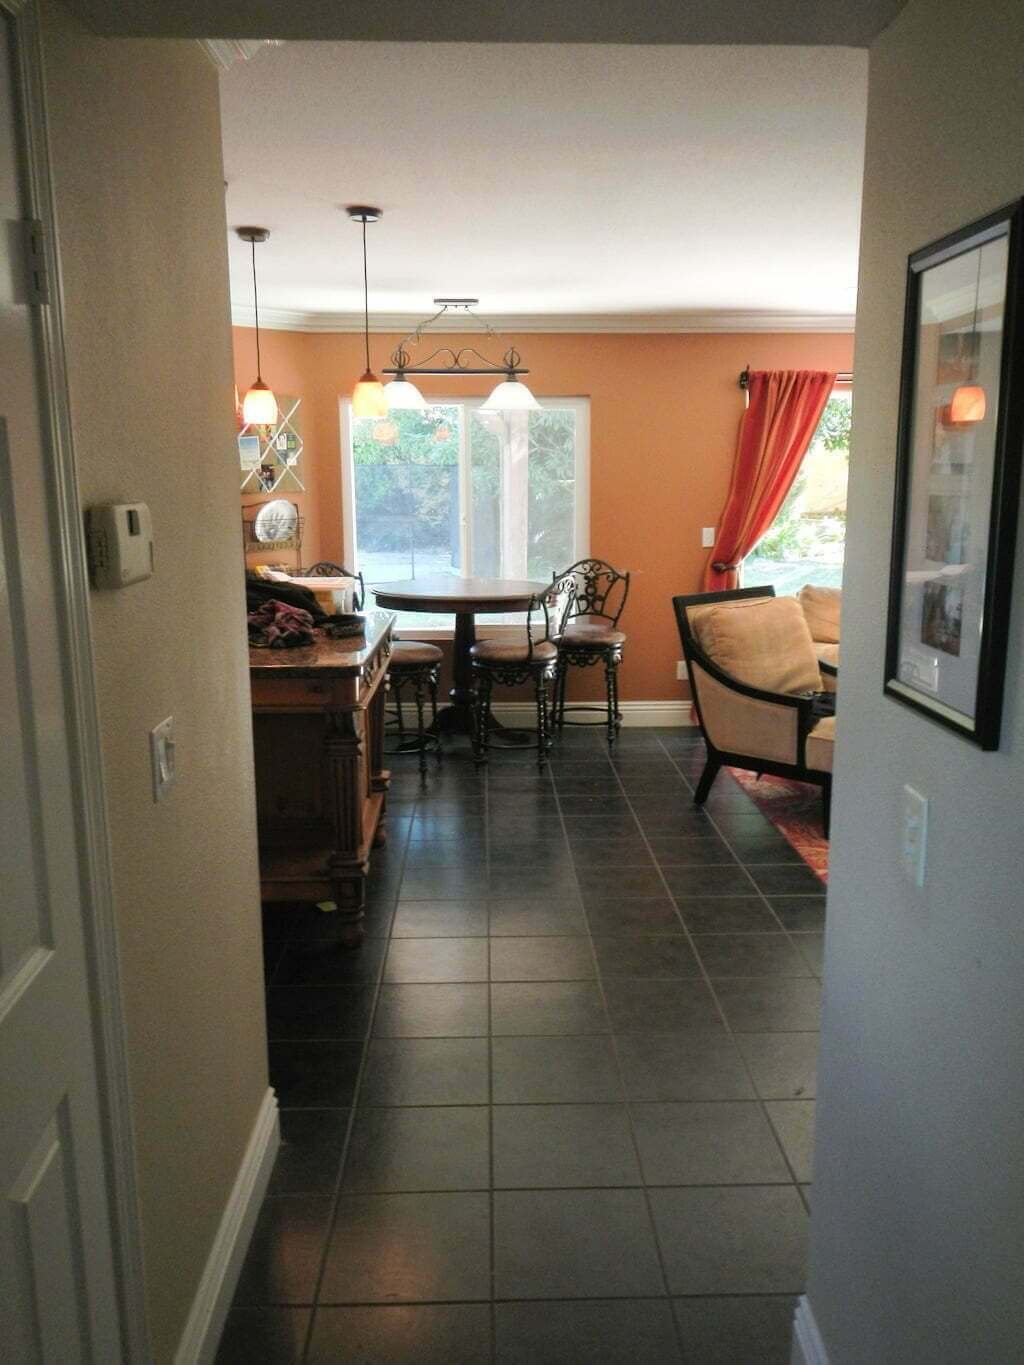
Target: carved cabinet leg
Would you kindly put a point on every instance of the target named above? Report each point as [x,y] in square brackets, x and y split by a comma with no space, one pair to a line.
[343,754]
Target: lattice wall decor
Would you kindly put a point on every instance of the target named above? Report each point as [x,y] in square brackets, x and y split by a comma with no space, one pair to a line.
[270,456]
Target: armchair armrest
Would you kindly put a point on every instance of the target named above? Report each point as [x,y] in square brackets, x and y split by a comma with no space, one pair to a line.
[739,719]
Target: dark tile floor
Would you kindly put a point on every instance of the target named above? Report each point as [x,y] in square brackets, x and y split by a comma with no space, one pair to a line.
[559,1107]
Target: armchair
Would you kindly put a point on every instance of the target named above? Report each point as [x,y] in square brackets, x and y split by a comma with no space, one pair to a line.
[755,681]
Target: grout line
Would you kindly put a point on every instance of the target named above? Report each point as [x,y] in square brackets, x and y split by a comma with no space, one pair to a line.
[353,1110]
[652,1225]
[734,1032]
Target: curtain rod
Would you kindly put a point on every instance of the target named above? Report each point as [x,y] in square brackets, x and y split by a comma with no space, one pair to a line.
[843,377]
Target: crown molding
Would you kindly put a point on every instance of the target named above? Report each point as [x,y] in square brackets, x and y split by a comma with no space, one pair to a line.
[285,320]
[224,52]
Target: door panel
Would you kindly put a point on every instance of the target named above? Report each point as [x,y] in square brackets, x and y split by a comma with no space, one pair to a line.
[57,1291]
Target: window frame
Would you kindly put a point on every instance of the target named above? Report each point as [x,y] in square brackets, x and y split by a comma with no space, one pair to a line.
[580,405]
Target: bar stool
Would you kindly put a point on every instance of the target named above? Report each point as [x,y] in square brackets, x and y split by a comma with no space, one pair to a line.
[416,664]
[591,636]
[513,662]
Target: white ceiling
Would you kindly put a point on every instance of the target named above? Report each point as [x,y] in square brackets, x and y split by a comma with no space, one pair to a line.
[615,182]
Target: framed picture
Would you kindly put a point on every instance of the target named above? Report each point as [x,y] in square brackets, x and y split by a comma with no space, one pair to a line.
[958,472]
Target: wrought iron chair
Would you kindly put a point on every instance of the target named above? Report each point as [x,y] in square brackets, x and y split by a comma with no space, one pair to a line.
[785,729]
[591,636]
[513,662]
[325,568]
[415,664]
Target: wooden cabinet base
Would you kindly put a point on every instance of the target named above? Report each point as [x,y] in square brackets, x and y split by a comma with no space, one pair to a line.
[321,790]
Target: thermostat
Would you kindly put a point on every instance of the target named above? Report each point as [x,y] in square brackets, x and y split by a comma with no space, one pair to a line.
[120,538]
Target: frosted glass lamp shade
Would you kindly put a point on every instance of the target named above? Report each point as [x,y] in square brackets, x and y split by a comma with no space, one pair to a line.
[369,398]
[259,406]
[968,404]
[511,396]
[401,394]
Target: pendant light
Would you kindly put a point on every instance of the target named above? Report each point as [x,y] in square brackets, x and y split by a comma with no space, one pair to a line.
[259,406]
[968,403]
[511,395]
[399,392]
[368,397]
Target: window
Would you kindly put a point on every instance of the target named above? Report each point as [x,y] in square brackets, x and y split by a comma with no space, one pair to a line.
[806,542]
[451,490]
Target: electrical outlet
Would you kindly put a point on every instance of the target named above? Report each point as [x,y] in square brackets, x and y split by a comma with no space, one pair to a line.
[915,835]
[707,537]
[162,757]
[681,671]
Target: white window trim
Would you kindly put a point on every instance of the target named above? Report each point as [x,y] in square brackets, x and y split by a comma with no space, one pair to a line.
[581,407]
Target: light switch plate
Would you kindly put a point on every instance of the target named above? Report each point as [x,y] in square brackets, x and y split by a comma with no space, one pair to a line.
[707,537]
[915,835]
[162,757]
[681,670]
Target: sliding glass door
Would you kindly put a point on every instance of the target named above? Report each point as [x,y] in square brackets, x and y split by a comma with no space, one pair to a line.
[455,491]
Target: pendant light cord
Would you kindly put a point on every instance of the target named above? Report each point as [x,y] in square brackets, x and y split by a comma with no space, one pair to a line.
[256,310]
[974,320]
[366,301]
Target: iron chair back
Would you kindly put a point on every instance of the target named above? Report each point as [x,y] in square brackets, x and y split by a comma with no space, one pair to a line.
[326,568]
[600,590]
[555,606]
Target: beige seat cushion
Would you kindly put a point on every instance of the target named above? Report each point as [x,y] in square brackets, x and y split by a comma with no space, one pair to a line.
[512,651]
[598,633]
[413,653]
[821,607]
[819,745]
[761,641]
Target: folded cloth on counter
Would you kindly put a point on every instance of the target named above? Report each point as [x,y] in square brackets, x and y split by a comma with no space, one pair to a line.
[260,590]
[278,625]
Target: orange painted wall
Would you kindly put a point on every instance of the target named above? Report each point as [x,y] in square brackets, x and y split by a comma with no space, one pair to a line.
[664,411]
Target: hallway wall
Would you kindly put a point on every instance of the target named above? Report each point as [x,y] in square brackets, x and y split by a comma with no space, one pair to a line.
[135,133]
[918,1202]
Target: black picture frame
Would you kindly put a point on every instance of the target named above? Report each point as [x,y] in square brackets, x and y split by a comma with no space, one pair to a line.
[942,539]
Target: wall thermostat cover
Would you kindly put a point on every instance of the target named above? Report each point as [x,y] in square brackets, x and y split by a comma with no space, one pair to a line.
[120,536]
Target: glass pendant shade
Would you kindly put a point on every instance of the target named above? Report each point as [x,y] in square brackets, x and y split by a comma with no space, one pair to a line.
[401,394]
[511,396]
[968,404]
[369,398]
[259,406]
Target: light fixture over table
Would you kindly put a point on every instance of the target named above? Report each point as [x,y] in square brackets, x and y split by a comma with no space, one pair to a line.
[259,406]
[510,395]
[368,396]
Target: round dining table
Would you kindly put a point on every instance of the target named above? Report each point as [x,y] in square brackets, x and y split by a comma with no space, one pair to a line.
[465,598]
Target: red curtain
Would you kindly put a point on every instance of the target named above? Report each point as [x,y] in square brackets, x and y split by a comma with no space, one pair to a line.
[785,407]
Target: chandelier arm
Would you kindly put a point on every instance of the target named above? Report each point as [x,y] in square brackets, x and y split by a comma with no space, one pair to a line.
[417,332]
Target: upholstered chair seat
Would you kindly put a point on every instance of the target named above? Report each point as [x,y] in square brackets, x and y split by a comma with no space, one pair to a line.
[820,743]
[406,652]
[512,651]
[597,633]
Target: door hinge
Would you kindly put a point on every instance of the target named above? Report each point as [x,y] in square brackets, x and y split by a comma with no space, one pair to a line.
[37,279]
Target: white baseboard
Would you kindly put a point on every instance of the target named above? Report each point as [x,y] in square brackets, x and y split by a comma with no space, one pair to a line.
[202,1333]
[808,1347]
[634,713]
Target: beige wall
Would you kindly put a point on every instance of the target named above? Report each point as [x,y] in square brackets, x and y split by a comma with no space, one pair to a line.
[137,164]
[918,1204]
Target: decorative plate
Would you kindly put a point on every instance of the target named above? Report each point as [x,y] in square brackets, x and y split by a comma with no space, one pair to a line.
[277,520]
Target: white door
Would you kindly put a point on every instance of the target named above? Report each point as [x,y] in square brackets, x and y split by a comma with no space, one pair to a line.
[57,1289]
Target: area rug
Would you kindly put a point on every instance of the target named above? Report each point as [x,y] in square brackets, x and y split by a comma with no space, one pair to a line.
[794,808]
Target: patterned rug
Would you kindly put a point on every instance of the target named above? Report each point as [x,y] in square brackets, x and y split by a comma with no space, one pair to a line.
[794,808]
